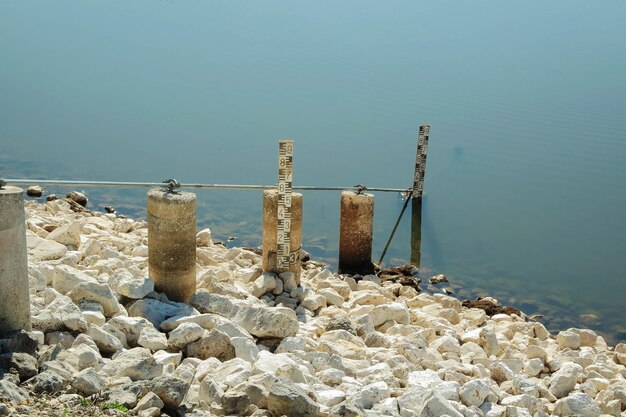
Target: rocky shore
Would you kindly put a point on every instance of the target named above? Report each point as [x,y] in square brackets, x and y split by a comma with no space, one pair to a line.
[254,344]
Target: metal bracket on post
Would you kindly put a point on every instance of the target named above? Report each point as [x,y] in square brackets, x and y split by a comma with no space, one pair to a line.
[3,183]
[171,184]
[360,188]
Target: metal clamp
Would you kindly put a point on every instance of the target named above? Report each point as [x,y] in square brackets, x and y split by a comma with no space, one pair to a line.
[3,183]
[171,184]
[359,188]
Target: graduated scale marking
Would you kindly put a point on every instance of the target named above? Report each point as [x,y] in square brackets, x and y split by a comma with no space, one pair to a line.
[420,161]
[284,257]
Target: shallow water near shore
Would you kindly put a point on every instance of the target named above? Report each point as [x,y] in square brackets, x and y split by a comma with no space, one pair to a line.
[525,180]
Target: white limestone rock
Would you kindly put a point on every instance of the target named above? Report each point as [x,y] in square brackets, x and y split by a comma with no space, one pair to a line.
[100,293]
[247,275]
[289,281]
[313,301]
[212,344]
[64,278]
[170,390]
[523,401]
[59,314]
[343,344]
[332,297]
[564,380]
[446,343]
[577,404]
[372,394]
[43,249]
[137,364]
[533,351]
[288,399]
[184,334]
[393,311]
[139,251]
[231,373]
[436,405]
[489,341]
[524,385]
[474,392]
[157,311]
[245,349]
[568,339]
[258,320]
[124,283]
[203,238]
[330,397]
[168,359]
[131,327]
[63,339]
[68,235]
[82,356]
[424,379]
[88,382]
[492,410]
[512,411]
[533,367]
[279,365]
[152,339]
[95,318]
[106,342]
[263,284]
[210,391]
[500,372]
[148,401]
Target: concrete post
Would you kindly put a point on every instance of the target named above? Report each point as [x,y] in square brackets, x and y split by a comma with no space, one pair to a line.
[416,232]
[270,226]
[14,293]
[355,233]
[172,243]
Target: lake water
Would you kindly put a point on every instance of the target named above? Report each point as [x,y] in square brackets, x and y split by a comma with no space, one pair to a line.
[525,184]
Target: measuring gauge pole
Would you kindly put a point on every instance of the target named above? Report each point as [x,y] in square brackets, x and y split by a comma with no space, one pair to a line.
[285,182]
[420,161]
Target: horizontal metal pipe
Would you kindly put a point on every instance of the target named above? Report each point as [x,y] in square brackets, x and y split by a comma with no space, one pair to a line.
[124,184]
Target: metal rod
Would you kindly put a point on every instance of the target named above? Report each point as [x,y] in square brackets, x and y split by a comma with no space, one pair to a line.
[126,184]
[393,232]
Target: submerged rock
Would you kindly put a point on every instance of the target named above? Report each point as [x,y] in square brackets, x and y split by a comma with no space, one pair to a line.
[34,191]
[78,197]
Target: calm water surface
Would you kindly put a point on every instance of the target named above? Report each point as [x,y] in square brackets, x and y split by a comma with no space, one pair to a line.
[526,176]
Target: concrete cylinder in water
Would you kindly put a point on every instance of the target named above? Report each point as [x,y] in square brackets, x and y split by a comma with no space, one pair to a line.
[14,293]
[355,233]
[270,229]
[172,242]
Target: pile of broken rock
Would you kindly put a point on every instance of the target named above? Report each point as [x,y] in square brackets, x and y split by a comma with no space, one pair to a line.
[256,344]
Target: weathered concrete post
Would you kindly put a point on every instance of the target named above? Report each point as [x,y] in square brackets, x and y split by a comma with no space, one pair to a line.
[172,242]
[14,293]
[270,225]
[355,233]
